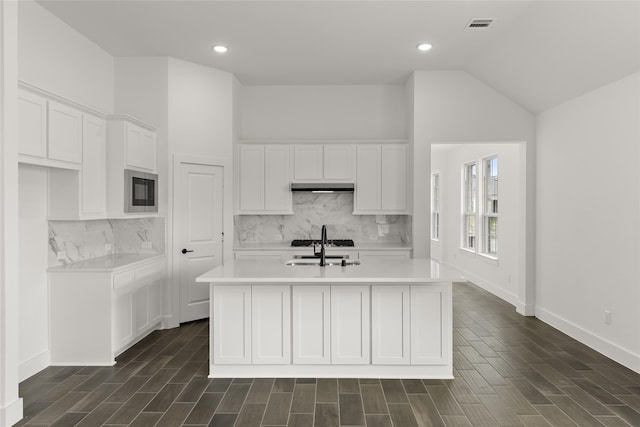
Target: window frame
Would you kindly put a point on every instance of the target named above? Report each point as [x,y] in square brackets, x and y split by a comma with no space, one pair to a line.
[490,210]
[469,214]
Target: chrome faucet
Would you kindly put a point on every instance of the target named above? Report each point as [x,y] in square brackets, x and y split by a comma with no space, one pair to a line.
[323,242]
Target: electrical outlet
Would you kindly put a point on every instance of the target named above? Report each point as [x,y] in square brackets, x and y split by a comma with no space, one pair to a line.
[147,245]
[607,317]
[62,255]
[107,246]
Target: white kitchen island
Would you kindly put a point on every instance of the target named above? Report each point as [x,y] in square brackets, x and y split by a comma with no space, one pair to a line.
[380,319]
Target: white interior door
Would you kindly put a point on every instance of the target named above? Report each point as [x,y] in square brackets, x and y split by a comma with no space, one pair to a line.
[199,236]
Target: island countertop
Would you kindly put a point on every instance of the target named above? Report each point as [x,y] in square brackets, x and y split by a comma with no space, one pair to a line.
[369,271]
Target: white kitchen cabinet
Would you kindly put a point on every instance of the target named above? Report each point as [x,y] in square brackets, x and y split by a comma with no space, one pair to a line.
[311,340]
[32,124]
[139,148]
[324,162]
[263,179]
[376,255]
[430,312]
[381,179]
[271,325]
[390,327]
[97,315]
[350,324]
[65,133]
[231,313]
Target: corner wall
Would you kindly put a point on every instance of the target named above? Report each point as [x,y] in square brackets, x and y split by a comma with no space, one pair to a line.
[588,209]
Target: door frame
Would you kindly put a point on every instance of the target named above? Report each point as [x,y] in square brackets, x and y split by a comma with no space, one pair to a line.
[172,290]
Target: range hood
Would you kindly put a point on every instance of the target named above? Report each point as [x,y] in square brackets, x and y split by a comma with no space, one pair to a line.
[323,187]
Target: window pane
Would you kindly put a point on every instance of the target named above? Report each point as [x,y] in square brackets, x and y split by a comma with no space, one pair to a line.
[491,186]
[491,233]
[470,231]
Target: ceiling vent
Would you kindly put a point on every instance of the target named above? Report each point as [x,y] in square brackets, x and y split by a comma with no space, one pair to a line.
[478,24]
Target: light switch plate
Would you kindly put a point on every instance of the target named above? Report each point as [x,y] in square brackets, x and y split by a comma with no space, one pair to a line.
[61,255]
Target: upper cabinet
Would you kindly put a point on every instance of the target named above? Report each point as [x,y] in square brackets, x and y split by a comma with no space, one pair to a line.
[323,162]
[140,147]
[49,132]
[264,177]
[381,179]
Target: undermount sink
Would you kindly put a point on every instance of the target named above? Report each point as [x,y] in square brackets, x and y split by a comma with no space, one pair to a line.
[338,262]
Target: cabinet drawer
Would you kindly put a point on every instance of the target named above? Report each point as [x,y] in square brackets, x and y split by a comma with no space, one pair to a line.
[122,279]
[153,269]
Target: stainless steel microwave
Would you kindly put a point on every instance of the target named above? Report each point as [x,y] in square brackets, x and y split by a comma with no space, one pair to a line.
[140,192]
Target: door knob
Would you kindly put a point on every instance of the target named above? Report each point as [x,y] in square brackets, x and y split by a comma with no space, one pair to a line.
[184,251]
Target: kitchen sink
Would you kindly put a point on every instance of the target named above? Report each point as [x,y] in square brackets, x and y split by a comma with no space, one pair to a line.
[338,262]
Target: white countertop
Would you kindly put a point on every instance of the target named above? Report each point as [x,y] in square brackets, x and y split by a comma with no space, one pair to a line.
[105,263]
[391,271]
[287,247]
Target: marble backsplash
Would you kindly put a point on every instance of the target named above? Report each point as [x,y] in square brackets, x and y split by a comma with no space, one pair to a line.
[311,211]
[81,240]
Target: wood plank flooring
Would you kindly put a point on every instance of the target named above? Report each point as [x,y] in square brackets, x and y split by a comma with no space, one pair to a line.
[509,371]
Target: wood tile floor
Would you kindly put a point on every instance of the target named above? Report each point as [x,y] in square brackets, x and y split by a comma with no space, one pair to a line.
[509,371]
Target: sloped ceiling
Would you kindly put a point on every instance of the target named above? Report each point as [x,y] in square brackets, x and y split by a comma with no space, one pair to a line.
[538,53]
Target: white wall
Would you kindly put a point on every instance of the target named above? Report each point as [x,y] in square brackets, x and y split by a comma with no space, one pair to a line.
[323,112]
[588,207]
[498,277]
[55,57]
[453,106]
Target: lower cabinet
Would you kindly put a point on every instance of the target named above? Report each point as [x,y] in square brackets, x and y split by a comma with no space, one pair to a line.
[349,324]
[390,325]
[311,339]
[95,316]
[231,314]
[271,325]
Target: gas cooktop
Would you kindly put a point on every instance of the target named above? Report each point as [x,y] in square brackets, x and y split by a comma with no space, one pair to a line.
[333,242]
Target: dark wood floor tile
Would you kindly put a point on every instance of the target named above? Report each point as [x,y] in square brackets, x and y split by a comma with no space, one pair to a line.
[32,409]
[378,420]
[491,376]
[587,401]
[394,391]
[95,380]
[179,359]
[259,391]
[251,415]
[402,415]
[327,390]
[373,399]
[504,368]
[606,383]
[56,409]
[555,416]
[631,400]
[476,382]
[597,392]
[534,421]
[100,415]
[348,385]
[575,411]
[483,349]
[284,385]
[456,421]
[326,415]
[413,386]
[471,354]
[461,391]
[444,400]
[516,401]
[64,387]
[425,411]
[193,390]
[617,373]
[529,392]
[368,381]
[541,383]
[350,406]
[479,416]
[305,380]
[223,420]
[126,372]
[300,420]
[500,410]
[304,396]
[146,419]
[428,382]
[128,389]
[175,415]
[233,398]
[494,343]
[612,421]
[627,414]
[219,385]
[242,381]
[461,362]
[152,366]
[131,408]
[205,408]
[69,419]
[164,398]
[277,411]
[467,335]
[94,398]
[159,380]
[186,373]
[552,375]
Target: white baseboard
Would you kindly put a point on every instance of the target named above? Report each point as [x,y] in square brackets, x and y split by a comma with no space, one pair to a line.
[613,351]
[34,365]
[525,309]
[12,413]
[169,322]
[488,286]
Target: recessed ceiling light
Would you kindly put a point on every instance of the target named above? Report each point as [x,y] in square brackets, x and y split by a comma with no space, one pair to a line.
[220,48]
[423,47]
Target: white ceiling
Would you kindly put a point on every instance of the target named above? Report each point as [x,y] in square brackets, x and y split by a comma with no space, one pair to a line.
[538,53]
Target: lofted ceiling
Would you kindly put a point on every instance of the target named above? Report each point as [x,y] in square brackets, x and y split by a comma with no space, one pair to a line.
[538,53]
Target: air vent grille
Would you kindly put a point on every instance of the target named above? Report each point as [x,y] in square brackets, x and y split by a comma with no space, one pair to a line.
[479,24]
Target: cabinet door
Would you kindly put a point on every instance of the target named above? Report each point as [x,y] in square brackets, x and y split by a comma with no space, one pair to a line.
[231,308]
[368,178]
[350,324]
[390,335]
[271,324]
[394,178]
[65,133]
[122,317]
[429,316]
[148,149]
[277,178]
[32,124]
[339,162]
[251,177]
[155,301]
[141,308]
[311,325]
[139,148]
[307,162]
[93,174]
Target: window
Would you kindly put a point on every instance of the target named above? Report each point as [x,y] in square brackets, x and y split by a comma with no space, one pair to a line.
[435,206]
[469,209]
[490,220]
